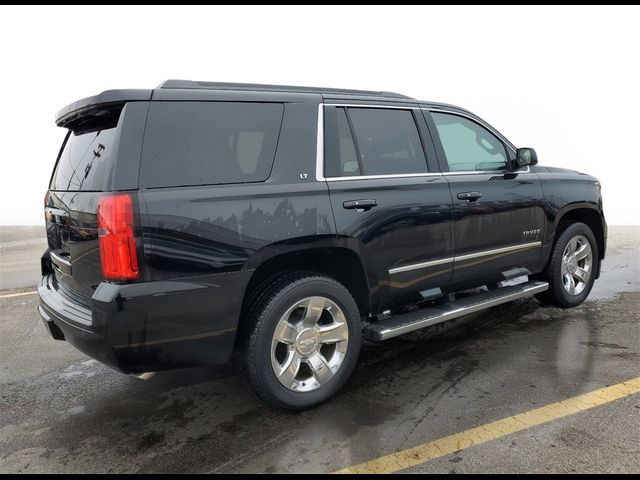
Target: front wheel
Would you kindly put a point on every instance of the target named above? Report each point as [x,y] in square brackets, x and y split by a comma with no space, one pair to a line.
[572,268]
[301,341]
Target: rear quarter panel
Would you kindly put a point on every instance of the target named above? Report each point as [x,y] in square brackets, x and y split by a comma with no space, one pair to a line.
[215,236]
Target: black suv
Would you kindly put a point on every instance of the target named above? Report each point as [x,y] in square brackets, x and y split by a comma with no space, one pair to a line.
[279,226]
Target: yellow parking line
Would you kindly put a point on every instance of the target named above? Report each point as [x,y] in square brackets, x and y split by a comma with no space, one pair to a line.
[475,436]
[20,294]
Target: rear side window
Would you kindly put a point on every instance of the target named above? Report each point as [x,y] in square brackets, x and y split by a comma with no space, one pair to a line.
[208,143]
[383,142]
[340,149]
[84,161]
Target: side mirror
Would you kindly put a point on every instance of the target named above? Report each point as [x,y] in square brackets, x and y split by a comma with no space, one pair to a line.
[525,157]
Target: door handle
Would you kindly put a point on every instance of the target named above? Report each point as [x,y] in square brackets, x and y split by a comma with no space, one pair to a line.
[55,215]
[365,204]
[469,196]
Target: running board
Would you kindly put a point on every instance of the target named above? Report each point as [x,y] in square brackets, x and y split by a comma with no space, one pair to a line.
[426,317]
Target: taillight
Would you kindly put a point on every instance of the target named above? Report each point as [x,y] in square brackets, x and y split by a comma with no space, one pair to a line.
[117,242]
[46,199]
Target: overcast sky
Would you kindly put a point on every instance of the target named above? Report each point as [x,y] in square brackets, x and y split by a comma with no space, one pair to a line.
[563,80]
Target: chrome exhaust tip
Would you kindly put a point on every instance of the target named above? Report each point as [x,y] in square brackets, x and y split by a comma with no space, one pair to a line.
[145,375]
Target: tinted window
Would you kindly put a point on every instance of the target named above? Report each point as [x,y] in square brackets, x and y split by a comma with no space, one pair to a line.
[200,143]
[468,146]
[341,159]
[84,161]
[387,141]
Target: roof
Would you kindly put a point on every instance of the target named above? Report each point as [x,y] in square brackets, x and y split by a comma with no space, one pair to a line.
[191,84]
[189,90]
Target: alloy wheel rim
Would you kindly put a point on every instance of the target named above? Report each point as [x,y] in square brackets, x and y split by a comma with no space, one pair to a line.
[309,344]
[577,265]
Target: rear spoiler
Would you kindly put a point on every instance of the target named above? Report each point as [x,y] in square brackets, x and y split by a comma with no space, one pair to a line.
[103,102]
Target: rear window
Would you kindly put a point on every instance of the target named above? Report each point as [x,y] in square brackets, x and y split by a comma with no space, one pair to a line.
[208,143]
[84,161]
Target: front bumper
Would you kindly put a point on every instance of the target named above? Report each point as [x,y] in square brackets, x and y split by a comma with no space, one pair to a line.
[149,326]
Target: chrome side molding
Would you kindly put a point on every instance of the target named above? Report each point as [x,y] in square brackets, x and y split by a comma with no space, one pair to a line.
[462,258]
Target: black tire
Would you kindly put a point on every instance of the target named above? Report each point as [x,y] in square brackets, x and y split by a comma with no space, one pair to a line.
[252,355]
[557,295]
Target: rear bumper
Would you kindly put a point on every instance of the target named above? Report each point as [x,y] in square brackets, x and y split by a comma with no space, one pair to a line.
[150,326]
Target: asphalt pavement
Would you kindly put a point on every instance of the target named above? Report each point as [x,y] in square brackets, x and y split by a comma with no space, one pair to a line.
[63,412]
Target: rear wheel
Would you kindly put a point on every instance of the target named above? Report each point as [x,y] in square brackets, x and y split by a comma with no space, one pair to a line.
[571,270]
[301,341]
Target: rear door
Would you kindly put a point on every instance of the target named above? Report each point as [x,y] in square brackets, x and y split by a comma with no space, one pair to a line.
[100,153]
[499,213]
[389,205]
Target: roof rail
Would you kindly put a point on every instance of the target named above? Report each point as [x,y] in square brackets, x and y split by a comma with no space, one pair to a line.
[191,84]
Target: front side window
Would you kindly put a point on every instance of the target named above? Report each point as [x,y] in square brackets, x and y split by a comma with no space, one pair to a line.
[372,141]
[469,147]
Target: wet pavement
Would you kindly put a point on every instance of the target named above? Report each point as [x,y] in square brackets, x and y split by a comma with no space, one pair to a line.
[20,252]
[63,412]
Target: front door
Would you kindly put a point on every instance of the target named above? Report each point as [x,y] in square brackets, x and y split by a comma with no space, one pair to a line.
[388,206]
[499,212]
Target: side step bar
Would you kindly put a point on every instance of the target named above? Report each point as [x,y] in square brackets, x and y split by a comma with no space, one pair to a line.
[426,317]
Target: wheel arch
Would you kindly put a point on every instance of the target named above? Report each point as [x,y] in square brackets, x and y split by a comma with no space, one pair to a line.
[579,213]
[588,215]
[324,257]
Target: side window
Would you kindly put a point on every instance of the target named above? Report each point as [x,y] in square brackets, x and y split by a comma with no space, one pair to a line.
[340,150]
[387,141]
[372,141]
[467,146]
[209,143]
[246,148]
